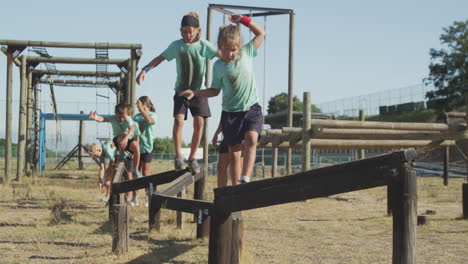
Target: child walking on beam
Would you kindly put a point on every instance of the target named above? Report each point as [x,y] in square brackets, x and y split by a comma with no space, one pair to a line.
[190,53]
[241,119]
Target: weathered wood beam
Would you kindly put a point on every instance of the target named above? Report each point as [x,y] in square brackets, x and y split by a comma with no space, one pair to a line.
[180,183]
[352,176]
[182,205]
[72,60]
[380,125]
[355,144]
[141,183]
[79,45]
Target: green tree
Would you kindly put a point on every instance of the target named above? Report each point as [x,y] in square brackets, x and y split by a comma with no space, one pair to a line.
[449,68]
[279,103]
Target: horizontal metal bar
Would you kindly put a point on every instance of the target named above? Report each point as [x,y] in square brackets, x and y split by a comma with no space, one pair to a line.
[253,8]
[79,45]
[263,14]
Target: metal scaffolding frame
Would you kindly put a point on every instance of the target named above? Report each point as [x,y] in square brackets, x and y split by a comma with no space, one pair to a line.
[30,78]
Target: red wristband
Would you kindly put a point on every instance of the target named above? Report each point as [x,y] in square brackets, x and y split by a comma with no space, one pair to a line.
[245,20]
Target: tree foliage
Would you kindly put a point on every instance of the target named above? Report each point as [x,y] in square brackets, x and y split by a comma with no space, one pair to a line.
[279,103]
[449,68]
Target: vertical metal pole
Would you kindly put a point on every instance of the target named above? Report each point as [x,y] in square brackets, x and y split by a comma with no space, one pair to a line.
[362,152]
[36,128]
[306,125]
[80,144]
[290,87]
[8,119]
[21,150]
[274,165]
[446,155]
[29,106]
[465,184]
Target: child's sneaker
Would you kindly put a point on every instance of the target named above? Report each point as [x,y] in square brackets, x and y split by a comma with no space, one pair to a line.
[193,166]
[105,198]
[179,163]
[137,174]
[244,179]
[134,202]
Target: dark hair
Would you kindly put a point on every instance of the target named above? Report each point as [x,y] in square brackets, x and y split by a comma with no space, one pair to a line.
[121,108]
[147,101]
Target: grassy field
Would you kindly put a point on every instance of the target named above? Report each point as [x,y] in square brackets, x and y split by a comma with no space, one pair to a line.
[58,218]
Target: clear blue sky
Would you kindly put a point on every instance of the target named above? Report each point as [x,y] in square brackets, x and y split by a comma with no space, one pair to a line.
[342,48]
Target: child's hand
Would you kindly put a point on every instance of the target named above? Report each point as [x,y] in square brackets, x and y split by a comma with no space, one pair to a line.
[141,77]
[214,141]
[187,93]
[235,18]
[141,107]
[92,115]
[122,143]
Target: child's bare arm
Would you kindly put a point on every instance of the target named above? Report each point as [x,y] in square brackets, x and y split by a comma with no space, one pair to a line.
[145,112]
[258,31]
[153,63]
[210,92]
[98,118]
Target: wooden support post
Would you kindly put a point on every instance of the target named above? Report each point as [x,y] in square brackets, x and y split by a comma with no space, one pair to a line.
[220,244]
[446,164]
[180,215]
[465,200]
[80,144]
[274,166]
[362,152]
[21,150]
[154,212]
[29,123]
[120,234]
[203,221]
[306,125]
[8,117]
[390,198]
[405,216]
[237,237]
[36,129]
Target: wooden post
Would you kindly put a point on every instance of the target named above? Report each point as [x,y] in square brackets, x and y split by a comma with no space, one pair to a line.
[405,217]
[21,149]
[362,152]
[180,215]
[274,166]
[220,239]
[237,237]
[29,123]
[390,198]
[446,164]
[80,144]
[8,117]
[154,211]
[36,128]
[120,235]
[203,222]
[465,200]
[306,125]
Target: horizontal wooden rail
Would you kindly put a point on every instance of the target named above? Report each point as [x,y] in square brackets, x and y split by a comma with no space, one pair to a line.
[380,125]
[180,183]
[362,143]
[352,176]
[141,183]
[181,205]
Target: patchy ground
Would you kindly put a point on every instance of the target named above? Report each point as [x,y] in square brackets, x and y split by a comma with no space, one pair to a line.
[59,219]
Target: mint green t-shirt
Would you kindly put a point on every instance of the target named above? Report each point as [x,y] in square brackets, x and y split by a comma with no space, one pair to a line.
[109,151]
[236,79]
[136,129]
[120,128]
[147,132]
[190,62]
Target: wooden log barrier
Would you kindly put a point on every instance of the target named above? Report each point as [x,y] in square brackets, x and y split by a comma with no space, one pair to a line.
[404,216]
[120,235]
[227,231]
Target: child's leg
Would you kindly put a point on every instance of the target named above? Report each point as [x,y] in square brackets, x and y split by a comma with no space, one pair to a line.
[196,136]
[235,162]
[223,163]
[250,148]
[135,148]
[177,133]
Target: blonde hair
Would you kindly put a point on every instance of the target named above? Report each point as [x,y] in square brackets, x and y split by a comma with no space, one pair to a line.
[94,149]
[229,36]
[197,16]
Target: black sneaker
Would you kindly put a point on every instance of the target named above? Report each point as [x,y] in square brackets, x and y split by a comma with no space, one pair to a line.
[179,163]
[193,166]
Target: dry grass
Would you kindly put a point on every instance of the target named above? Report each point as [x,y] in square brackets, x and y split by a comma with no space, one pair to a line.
[55,220]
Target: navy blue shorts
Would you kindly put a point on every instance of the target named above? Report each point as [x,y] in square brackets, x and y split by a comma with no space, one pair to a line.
[223,147]
[116,144]
[236,124]
[146,157]
[198,106]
